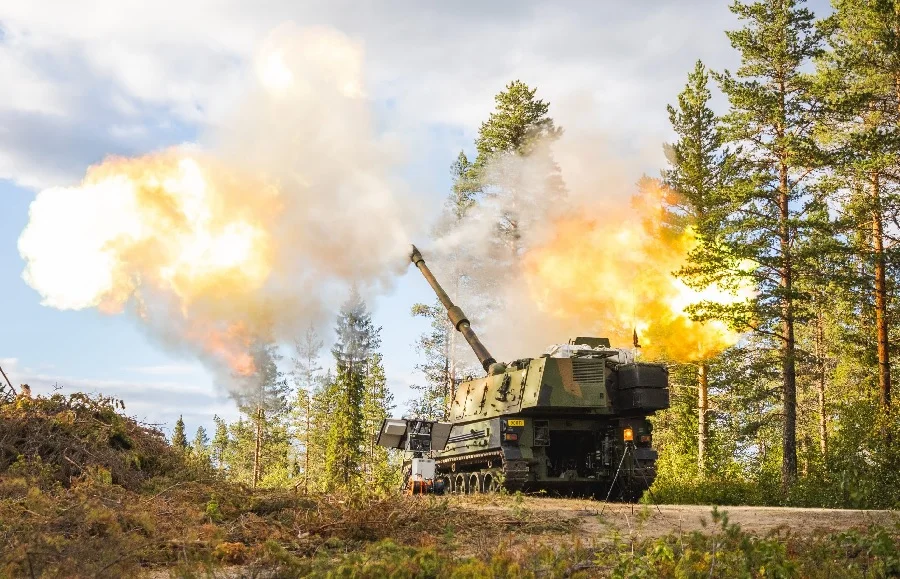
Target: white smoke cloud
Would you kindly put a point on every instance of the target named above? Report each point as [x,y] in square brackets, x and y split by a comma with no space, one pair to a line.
[288,202]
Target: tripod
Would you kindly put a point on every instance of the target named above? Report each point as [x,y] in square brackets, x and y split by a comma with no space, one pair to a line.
[629,448]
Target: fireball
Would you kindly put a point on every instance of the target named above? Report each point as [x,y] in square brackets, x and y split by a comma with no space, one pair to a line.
[616,276]
[162,229]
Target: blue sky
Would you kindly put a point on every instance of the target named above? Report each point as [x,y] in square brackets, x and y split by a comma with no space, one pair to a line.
[83,80]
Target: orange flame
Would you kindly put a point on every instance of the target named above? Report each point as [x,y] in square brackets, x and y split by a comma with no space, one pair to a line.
[173,233]
[231,345]
[614,275]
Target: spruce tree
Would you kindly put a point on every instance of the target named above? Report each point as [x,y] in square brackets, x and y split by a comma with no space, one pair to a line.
[357,339]
[219,446]
[380,470]
[307,376]
[770,125]
[179,439]
[200,445]
[321,409]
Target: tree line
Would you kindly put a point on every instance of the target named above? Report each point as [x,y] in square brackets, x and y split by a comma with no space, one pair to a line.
[793,191]
[310,429]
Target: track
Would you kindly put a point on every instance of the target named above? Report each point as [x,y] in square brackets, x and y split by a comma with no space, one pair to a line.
[599,520]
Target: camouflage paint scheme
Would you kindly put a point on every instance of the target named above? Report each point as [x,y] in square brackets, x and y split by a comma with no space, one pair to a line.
[571,399]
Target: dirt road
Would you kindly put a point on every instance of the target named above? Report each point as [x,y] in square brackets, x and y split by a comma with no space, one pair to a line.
[601,520]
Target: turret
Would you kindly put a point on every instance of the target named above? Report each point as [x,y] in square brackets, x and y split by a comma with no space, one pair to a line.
[455,313]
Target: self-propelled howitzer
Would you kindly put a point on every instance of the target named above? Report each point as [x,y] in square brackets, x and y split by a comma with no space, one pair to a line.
[573,420]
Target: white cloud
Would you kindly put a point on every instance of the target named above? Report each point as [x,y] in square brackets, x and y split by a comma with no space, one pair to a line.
[155,402]
[165,369]
[112,67]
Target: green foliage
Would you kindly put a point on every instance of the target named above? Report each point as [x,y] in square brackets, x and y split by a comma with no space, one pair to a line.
[380,466]
[859,131]
[200,446]
[438,364]
[699,167]
[749,187]
[220,443]
[179,438]
[190,523]
[305,421]
[274,466]
[343,451]
[346,445]
[263,400]
[515,165]
[517,123]
[324,400]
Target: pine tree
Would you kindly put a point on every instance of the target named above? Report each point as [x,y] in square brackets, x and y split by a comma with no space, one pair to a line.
[357,339]
[519,121]
[699,169]
[179,439]
[861,78]
[307,376]
[263,400]
[219,446]
[770,125]
[520,128]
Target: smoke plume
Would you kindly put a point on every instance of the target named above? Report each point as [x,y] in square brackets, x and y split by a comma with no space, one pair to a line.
[538,268]
[260,230]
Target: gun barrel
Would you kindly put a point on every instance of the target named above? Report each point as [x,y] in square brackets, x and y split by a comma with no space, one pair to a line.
[454,312]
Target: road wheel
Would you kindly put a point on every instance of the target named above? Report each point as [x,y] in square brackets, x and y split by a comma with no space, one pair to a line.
[474,483]
[490,484]
[459,484]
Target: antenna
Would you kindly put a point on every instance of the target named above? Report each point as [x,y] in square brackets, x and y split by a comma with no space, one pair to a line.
[6,394]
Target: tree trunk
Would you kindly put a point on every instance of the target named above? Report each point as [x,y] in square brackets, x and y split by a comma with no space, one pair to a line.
[306,444]
[821,372]
[881,321]
[349,403]
[256,466]
[702,407]
[370,463]
[789,372]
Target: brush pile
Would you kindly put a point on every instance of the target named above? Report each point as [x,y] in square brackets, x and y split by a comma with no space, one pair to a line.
[75,434]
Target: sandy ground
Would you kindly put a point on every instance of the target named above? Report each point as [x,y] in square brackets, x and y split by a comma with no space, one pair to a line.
[601,520]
